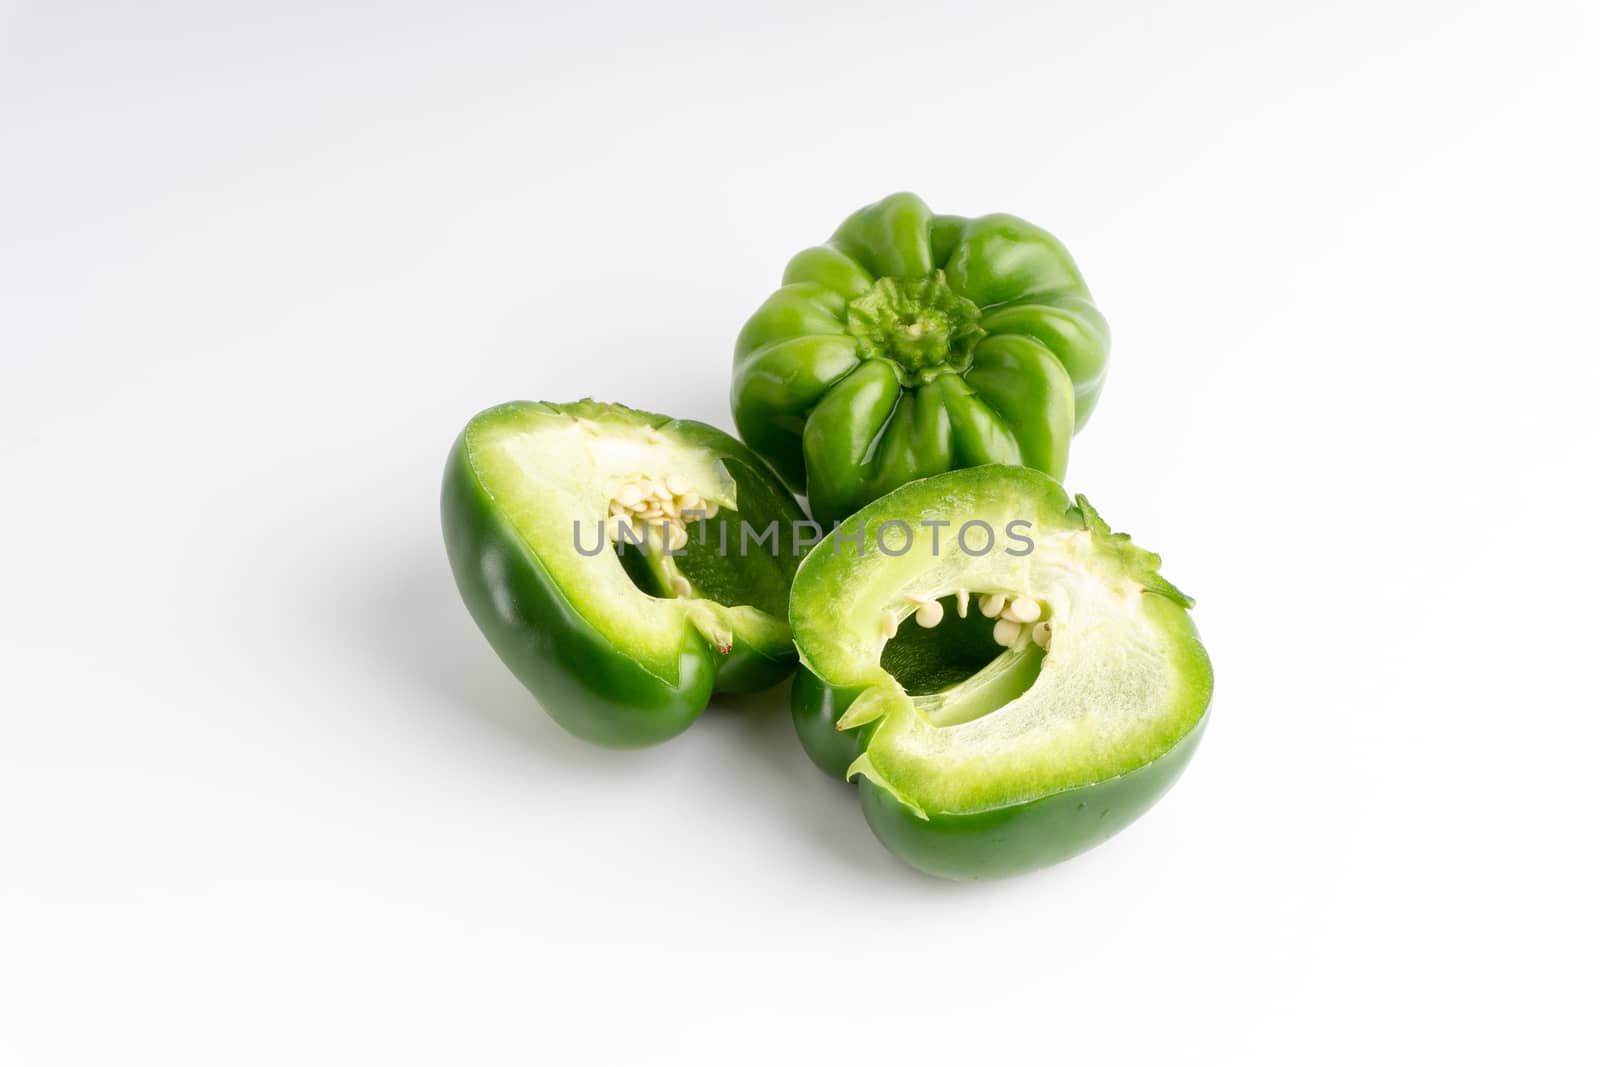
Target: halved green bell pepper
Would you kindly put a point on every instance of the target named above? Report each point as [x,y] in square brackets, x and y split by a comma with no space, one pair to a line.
[622,643]
[912,344]
[1005,700]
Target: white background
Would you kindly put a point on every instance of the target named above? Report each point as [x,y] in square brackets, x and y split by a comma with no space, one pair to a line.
[267,797]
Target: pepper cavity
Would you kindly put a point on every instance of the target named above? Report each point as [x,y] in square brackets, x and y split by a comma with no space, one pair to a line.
[1013,615]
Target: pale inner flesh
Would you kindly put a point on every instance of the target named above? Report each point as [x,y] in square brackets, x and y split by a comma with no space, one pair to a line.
[1102,701]
[550,470]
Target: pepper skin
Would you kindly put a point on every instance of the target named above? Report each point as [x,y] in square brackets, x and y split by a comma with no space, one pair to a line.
[912,344]
[1058,732]
[611,651]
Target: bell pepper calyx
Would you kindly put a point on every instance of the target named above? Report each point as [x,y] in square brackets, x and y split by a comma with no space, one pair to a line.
[922,326]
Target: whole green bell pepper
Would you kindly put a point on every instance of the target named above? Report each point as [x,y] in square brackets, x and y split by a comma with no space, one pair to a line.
[603,552]
[912,344]
[1006,698]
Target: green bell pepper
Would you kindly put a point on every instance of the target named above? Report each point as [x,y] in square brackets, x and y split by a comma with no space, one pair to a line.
[604,553]
[1008,689]
[912,344]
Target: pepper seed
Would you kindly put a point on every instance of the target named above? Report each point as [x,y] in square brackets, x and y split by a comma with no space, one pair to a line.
[1023,609]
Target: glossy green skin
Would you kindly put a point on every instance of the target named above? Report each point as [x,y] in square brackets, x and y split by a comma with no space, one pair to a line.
[1024,837]
[990,351]
[991,844]
[585,680]
[816,707]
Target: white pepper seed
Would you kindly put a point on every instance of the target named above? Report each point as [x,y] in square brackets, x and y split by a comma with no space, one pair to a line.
[1023,609]
[889,624]
[961,602]
[677,485]
[711,509]
[680,585]
[1041,635]
[629,495]
[930,614]
[991,605]
[677,537]
[1006,632]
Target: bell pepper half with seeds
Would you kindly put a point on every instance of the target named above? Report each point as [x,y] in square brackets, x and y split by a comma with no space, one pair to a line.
[623,565]
[1004,702]
[911,344]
